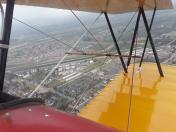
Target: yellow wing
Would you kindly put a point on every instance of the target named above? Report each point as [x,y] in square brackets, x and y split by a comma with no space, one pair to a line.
[110,6]
[153,101]
[153,98]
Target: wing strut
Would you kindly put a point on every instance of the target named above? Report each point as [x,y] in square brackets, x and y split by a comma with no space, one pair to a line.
[134,37]
[100,54]
[151,41]
[149,37]
[115,42]
[146,42]
[5,39]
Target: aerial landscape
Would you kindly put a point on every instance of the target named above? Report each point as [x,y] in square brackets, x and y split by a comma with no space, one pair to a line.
[37,60]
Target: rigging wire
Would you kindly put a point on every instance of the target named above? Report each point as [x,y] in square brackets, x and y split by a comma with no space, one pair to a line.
[98,66]
[62,43]
[86,92]
[125,28]
[56,40]
[121,34]
[132,85]
[82,95]
[45,34]
[83,25]
[38,87]
[54,68]
[132,81]
[86,28]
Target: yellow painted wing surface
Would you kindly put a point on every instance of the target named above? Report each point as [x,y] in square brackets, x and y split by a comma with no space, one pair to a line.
[110,6]
[153,101]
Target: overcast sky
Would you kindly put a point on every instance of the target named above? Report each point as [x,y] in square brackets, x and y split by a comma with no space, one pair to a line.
[39,15]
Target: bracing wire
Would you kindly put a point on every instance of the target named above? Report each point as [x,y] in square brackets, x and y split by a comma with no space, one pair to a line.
[132,81]
[98,66]
[132,85]
[56,40]
[80,21]
[121,34]
[82,95]
[85,27]
[87,31]
[86,92]
[45,34]
[50,73]
[97,41]
[125,29]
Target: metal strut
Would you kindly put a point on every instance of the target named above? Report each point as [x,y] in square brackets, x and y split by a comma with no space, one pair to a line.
[146,42]
[134,37]
[151,42]
[100,54]
[115,42]
[5,39]
[149,37]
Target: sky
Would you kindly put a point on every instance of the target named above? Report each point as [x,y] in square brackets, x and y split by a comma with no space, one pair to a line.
[44,16]
[39,15]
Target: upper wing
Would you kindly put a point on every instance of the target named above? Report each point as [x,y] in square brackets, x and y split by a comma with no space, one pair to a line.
[110,6]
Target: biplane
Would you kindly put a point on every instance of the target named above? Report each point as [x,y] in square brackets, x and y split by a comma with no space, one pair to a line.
[140,99]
